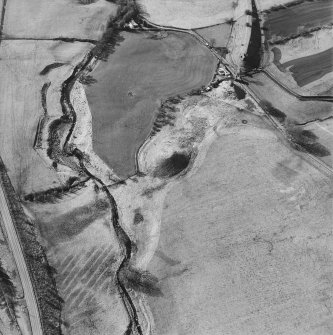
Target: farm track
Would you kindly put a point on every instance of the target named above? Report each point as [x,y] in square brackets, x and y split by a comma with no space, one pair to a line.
[327,170]
[328,98]
[123,238]
[18,253]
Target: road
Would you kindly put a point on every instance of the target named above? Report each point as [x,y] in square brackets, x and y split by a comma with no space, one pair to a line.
[16,248]
[291,92]
[233,70]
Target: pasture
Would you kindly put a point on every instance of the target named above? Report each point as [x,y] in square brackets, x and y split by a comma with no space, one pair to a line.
[56,18]
[189,14]
[83,249]
[142,71]
[294,109]
[216,36]
[21,105]
[245,241]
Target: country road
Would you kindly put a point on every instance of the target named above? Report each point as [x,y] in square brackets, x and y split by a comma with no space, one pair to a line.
[17,251]
[231,68]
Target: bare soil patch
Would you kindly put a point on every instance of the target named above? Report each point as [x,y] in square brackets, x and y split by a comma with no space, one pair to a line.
[142,71]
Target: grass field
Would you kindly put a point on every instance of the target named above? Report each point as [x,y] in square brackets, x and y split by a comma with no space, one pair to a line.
[188,13]
[217,36]
[21,103]
[245,242]
[300,111]
[56,18]
[129,87]
[82,247]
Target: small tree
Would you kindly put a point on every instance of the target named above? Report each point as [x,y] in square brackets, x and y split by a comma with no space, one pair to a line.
[212,42]
[230,21]
[87,80]
[86,2]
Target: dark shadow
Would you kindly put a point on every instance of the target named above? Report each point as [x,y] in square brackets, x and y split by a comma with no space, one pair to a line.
[240,93]
[271,110]
[140,281]
[172,165]
[50,67]
[253,56]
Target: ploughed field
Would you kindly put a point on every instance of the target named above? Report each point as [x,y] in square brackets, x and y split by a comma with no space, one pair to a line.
[130,85]
[300,37]
[308,69]
[292,20]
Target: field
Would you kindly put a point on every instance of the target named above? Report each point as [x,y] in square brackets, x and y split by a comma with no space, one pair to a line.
[323,131]
[189,14]
[294,109]
[266,4]
[146,201]
[293,20]
[318,42]
[307,54]
[56,18]
[240,35]
[217,36]
[130,86]
[245,241]
[83,249]
[310,68]
[21,64]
